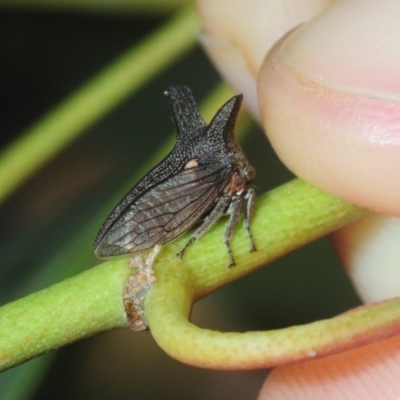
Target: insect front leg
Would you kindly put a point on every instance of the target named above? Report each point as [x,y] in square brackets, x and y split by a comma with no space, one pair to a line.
[144,260]
[251,200]
[215,214]
[234,210]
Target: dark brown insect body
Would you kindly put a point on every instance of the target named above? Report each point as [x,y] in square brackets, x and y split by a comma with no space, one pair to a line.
[205,176]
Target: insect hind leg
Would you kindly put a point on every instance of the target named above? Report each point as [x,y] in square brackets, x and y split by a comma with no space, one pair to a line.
[251,200]
[208,223]
[234,210]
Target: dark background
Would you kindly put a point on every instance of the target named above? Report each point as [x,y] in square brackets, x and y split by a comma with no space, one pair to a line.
[45,56]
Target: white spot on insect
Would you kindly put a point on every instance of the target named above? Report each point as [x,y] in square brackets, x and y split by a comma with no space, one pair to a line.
[311,353]
[191,164]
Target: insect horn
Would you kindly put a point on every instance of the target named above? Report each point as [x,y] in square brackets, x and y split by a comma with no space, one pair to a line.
[224,121]
[185,115]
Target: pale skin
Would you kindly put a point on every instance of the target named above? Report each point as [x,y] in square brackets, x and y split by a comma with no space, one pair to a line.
[328,95]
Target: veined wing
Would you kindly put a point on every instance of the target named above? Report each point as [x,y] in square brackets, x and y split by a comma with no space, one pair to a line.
[166,211]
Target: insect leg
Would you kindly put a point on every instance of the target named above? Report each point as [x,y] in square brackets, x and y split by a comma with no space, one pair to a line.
[234,210]
[251,200]
[144,260]
[150,260]
[208,223]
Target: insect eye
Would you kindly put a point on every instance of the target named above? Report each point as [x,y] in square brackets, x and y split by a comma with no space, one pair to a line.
[250,173]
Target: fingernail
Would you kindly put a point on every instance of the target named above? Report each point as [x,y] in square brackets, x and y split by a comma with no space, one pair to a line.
[351,47]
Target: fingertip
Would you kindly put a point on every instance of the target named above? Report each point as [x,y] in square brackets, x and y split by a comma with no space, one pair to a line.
[369,372]
[347,144]
[370,252]
[237,36]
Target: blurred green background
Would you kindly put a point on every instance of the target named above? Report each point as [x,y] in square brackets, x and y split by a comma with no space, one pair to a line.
[46,54]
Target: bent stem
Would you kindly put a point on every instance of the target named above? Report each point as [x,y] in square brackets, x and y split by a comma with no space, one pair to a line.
[168,312]
[285,218]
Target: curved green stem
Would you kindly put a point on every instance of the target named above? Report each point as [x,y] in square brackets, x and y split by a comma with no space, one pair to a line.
[285,218]
[111,86]
[168,308]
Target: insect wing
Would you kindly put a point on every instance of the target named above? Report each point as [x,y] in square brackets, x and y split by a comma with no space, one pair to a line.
[189,124]
[166,211]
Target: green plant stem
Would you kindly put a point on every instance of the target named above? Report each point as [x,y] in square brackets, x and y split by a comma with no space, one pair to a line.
[168,309]
[78,307]
[285,218]
[94,6]
[111,86]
